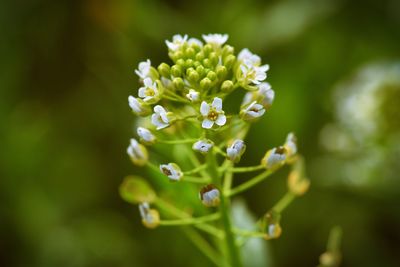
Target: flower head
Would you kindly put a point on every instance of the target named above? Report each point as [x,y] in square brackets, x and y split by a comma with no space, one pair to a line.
[172,170]
[253,74]
[236,150]
[274,158]
[138,106]
[291,145]
[146,136]
[160,117]
[177,41]
[203,146]
[215,39]
[143,70]
[212,113]
[193,95]
[266,94]
[209,196]
[137,153]
[252,111]
[149,92]
[150,217]
[246,55]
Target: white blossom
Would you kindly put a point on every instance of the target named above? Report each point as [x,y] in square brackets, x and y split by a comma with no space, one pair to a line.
[210,196]
[138,106]
[236,150]
[143,70]
[150,217]
[195,41]
[203,146]
[149,92]
[137,152]
[177,41]
[212,113]
[171,170]
[253,74]
[145,135]
[266,93]
[193,95]
[274,158]
[215,39]
[252,111]
[246,55]
[291,144]
[160,117]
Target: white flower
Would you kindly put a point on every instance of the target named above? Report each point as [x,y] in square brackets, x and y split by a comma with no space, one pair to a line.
[266,94]
[150,217]
[252,111]
[274,158]
[177,41]
[246,55]
[137,153]
[203,146]
[209,196]
[146,136]
[193,95]
[195,41]
[171,170]
[149,92]
[253,74]
[215,39]
[138,106]
[212,113]
[160,118]
[143,70]
[236,150]
[291,144]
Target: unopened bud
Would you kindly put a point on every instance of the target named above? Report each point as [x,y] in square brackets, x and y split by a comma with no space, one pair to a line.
[164,70]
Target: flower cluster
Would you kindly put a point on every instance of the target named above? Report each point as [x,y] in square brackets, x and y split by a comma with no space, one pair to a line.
[182,103]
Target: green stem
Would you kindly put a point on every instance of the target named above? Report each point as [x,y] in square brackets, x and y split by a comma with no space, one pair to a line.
[248,233]
[196,170]
[250,183]
[232,249]
[247,169]
[284,202]
[197,180]
[190,221]
[180,141]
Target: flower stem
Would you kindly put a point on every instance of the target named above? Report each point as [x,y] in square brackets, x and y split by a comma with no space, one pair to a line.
[196,170]
[250,183]
[231,248]
[284,202]
[179,141]
[193,220]
[247,169]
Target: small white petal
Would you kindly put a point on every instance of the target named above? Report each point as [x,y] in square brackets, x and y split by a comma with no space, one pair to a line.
[207,124]
[221,120]
[217,103]
[204,108]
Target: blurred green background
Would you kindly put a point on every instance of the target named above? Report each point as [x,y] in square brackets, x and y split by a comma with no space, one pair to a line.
[66,71]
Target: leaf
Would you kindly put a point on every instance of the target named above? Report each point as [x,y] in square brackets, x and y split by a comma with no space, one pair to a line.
[135,189]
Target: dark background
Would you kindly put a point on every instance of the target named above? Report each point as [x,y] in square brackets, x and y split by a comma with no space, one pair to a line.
[66,71]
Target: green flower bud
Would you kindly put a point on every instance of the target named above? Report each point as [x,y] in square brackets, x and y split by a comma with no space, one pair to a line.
[164,70]
[200,70]
[193,76]
[207,49]
[190,53]
[227,86]
[177,55]
[178,83]
[207,63]
[205,84]
[180,62]
[227,50]
[229,61]
[176,70]
[221,72]
[188,63]
[212,75]
[196,64]
[200,56]
[213,58]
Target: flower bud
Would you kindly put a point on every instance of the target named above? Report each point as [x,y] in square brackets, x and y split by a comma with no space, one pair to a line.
[229,61]
[211,75]
[213,58]
[200,70]
[227,86]
[172,170]
[207,49]
[146,136]
[227,50]
[164,70]
[210,196]
[137,153]
[178,83]
[200,56]
[203,146]
[274,158]
[150,217]
[205,84]
[176,70]
[190,52]
[193,76]
[221,72]
[236,150]
[297,185]
[189,63]
[291,145]
[207,63]
[193,95]
[138,106]
[270,225]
